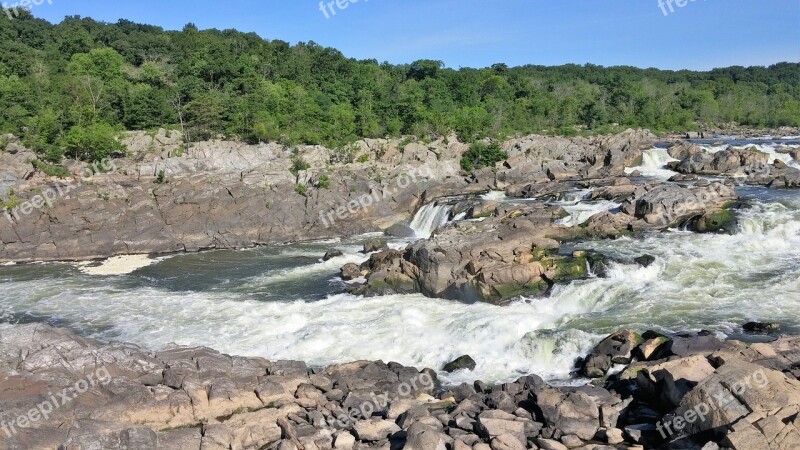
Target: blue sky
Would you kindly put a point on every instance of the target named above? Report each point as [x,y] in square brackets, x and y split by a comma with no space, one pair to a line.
[476,33]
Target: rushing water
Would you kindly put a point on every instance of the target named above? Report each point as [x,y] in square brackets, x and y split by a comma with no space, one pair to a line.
[429,218]
[285,303]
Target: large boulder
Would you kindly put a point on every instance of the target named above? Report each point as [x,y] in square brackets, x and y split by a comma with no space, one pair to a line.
[571,412]
[668,205]
[752,403]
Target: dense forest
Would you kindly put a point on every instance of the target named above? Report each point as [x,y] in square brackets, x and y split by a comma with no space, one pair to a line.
[68,89]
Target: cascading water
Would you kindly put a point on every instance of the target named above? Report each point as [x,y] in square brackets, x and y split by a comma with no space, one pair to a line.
[429,218]
[654,164]
[283,302]
[768,148]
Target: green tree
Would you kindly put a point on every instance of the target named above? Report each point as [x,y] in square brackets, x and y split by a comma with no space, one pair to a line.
[93,142]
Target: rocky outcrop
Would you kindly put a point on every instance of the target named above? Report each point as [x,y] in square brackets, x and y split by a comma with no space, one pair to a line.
[749,166]
[669,205]
[215,195]
[695,389]
[165,197]
[513,253]
[58,390]
[538,159]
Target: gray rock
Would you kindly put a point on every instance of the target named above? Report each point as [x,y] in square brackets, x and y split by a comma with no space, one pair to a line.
[350,271]
[571,412]
[549,444]
[507,442]
[374,429]
[422,437]
[374,245]
[461,363]
[332,253]
[759,327]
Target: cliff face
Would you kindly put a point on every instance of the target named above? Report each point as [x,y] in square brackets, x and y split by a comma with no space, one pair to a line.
[220,194]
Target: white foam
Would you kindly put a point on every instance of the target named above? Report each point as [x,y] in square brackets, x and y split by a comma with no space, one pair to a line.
[654,164]
[494,196]
[117,265]
[583,211]
[769,149]
[716,282]
[412,330]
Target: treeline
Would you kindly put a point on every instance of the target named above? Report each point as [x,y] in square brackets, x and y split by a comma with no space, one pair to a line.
[68,88]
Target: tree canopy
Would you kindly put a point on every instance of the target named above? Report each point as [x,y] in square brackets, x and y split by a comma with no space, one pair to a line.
[69,85]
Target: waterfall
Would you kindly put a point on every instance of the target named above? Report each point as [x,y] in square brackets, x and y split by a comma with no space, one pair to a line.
[429,218]
[654,164]
[657,158]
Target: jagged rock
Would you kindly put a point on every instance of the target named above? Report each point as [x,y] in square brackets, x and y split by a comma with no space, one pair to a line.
[491,425]
[570,412]
[196,397]
[507,442]
[737,390]
[495,260]
[684,150]
[400,230]
[332,253]
[647,348]
[350,271]
[374,430]
[615,349]
[422,437]
[759,327]
[461,363]
[549,444]
[670,205]
[645,260]
[374,245]
[482,209]
[344,441]
[672,380]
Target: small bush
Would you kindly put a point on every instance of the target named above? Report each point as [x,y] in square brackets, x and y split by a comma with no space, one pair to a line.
[298,164]
[343,155]
[324,182]
[52,153]
[301,189]
[93,142]
[51,170]
[161,178]
[11,203]
[363,158]
[481,155]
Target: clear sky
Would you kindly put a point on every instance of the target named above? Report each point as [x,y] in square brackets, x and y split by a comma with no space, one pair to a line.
[701,34]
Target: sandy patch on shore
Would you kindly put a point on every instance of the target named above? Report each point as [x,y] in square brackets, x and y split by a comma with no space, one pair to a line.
[118,265]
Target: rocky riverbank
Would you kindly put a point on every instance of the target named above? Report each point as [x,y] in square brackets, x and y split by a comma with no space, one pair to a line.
[58,390]
[163,199]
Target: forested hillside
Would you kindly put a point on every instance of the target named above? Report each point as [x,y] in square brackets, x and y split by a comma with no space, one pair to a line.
[68,88]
